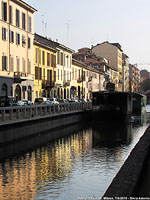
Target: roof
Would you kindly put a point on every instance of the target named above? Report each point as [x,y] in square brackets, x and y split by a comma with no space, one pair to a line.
[49,42]
[113,44]
[24,4]
[44,41]
[85,66]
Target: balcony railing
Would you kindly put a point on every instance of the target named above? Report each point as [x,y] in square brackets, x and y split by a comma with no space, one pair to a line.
[46,84]
[66,83]
[20,76]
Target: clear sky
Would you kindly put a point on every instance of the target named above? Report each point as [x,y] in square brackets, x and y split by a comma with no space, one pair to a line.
[82,23]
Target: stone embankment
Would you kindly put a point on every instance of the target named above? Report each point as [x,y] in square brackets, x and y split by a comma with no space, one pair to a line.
[128,181]
[17,123]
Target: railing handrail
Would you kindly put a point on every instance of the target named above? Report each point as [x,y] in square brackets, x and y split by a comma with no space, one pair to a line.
[28,111]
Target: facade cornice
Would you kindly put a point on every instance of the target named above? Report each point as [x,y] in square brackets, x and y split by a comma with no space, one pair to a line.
[25,5]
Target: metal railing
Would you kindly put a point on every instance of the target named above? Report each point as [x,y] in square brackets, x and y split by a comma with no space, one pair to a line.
[16,113]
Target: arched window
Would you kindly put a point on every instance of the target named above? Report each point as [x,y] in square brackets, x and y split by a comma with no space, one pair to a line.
[4,90]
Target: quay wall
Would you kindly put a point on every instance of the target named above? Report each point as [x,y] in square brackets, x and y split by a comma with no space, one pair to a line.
[15,130]
[127,182]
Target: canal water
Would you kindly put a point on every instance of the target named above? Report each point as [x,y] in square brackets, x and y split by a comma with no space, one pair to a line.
[79,165]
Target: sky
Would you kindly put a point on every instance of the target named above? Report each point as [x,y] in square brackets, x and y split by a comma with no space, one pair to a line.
[82,23]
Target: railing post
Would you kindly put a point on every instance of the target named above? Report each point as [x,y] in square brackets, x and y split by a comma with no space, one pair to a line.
[53,108]
[3,115]
[24,113]
[11,114]
[18,113]
[41,111]
[35,111]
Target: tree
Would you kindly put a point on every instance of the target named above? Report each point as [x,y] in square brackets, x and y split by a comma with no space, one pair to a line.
[145,85]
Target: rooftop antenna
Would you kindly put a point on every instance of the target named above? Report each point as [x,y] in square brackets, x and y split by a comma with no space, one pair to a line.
[107,37]
[43,23]
[68,27]
[45,29]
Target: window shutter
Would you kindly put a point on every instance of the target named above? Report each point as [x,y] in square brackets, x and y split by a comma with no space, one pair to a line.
[3,34]
[6,34]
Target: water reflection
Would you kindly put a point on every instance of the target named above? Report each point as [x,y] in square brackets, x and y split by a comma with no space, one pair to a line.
[82,163]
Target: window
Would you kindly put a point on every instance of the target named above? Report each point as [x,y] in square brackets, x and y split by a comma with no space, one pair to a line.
[39,56]
[43,74]
[11,36]
[58,74]
[29,24]
[48,59]
[61,59]
[48,74]
[54,61]
[10,15]
[11,64]
[54,76]
[23,40]
[4,11]
[4,90]
[17,18]
[36,55]
[58,58]
[23,21]
[17,38]
[36,73]
[4,63]
[51,75]
[4,34]
[29,43]
[43,55]
[18,64]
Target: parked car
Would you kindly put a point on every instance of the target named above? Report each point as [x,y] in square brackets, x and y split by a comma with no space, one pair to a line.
[73,101]
[40,100]
[63,101]
[6,101]
[54,100]
[21,103]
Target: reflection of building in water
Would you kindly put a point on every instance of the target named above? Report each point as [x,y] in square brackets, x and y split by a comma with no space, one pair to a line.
[17,180]
[55,163]
[112,137]
[22,177]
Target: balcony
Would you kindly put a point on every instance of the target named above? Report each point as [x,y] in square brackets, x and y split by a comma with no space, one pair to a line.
[79,80]
[90,89]
[66,83]
[46,84]
[20,76]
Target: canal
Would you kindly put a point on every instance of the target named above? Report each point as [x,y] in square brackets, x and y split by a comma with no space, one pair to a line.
[80,164]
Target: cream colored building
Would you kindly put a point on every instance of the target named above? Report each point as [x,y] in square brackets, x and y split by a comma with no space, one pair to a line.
[64,71]
[91,81]
[113,53]
[16,52]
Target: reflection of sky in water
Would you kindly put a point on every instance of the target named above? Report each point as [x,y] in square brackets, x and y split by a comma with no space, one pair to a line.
[82,164]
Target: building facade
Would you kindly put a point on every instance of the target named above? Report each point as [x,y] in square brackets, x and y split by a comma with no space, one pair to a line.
[113,53]
[125,73]
[134,78]
[64,71]
[44,67]
[16,52]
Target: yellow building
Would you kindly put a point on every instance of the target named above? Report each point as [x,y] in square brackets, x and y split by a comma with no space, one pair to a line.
[16,52]
[44,67]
